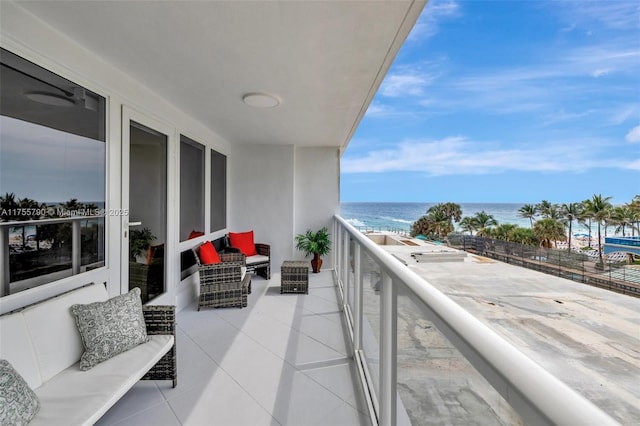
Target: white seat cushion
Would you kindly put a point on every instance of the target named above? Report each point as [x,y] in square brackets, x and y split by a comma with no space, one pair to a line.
[76,397]
[256,258]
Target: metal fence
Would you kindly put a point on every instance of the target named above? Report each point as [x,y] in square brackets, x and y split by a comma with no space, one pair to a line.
[618,275]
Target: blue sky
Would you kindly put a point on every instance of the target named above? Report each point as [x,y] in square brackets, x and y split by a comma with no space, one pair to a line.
[49,165]
[505,101]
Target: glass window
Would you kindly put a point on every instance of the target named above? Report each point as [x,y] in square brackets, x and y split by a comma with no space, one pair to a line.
[52,175]
[218,191]
[191,189]
[147,210]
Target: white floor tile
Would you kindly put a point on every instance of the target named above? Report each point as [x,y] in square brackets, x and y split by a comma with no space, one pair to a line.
[144,394]
[282,360]
[158,415]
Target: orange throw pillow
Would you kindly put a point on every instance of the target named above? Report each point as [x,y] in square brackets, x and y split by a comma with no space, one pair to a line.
[244,242]
[208,254]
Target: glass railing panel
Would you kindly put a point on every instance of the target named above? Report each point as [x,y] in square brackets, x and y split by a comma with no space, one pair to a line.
[371,282]
[36,250]
[92,243]
[436,383]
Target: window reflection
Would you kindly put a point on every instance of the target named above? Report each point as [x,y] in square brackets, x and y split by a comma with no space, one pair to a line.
[52,175]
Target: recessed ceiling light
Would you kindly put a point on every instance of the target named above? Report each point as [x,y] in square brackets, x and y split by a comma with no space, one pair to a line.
[261,100]
[51,99]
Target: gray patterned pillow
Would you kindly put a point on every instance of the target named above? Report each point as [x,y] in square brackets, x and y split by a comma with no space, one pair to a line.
[18,403]
[109,328]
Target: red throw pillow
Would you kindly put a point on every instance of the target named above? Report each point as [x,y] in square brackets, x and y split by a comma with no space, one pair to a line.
[195,234]
[208,254]
[244,242]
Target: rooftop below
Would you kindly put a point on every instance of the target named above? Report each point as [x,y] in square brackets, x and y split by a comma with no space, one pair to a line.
[585,336]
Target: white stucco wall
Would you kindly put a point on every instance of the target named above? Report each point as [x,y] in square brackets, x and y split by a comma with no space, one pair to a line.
[34,40]
[317,192]
[260,195]
[280,191]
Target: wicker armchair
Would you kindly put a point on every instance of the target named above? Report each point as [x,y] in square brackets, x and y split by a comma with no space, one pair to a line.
[222,284]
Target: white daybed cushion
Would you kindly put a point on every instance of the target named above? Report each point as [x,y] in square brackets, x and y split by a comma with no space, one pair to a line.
[76,397]
[16,347]
[56,340]
[18,403]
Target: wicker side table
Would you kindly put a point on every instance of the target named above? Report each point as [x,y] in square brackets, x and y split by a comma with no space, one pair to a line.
[294,277]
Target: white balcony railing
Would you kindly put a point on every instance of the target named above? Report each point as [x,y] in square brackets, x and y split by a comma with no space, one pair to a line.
[76,251]
[536,396]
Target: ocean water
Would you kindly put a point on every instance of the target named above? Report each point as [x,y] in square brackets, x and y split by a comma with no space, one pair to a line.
[400,216]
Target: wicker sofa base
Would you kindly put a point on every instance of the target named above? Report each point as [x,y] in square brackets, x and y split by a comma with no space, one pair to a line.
[213,296]
[161,319]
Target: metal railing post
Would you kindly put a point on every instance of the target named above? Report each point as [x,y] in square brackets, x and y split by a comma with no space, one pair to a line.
[4,261]
[335,252]
[357,326]
[388,351]
[345,266]
[75,247]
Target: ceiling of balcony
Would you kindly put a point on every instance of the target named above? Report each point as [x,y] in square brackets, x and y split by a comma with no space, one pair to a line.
[323,59]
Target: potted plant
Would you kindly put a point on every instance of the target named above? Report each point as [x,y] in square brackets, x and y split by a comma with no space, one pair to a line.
[316,244]
[139,242]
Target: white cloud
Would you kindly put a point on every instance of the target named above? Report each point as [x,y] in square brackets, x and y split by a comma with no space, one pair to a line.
[634,135]
[600,72]
[610,14]
[634,165]
[427,24]
[460,156]
[402,84]
[623,113]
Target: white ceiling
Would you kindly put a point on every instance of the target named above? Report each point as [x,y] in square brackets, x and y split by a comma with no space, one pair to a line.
[323,59]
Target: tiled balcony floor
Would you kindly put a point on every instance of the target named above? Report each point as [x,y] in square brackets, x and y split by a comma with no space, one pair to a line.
[283,360]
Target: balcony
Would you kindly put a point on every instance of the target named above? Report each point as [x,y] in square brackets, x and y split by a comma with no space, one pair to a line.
[282,360]
[373,343]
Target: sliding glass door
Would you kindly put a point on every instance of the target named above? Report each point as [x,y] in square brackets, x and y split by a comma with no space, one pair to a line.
[145,148]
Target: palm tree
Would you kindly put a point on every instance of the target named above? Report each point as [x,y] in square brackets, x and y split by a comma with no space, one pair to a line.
[620,218]
[528,211]
[586,216]
[483,222]
[438,220]
[546,208]
[467,224]
[8,204]
[29,205]
[504,231]
[570,212]
[547,230]
[599,208]
[635,215]
[523,236]
[445,212]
